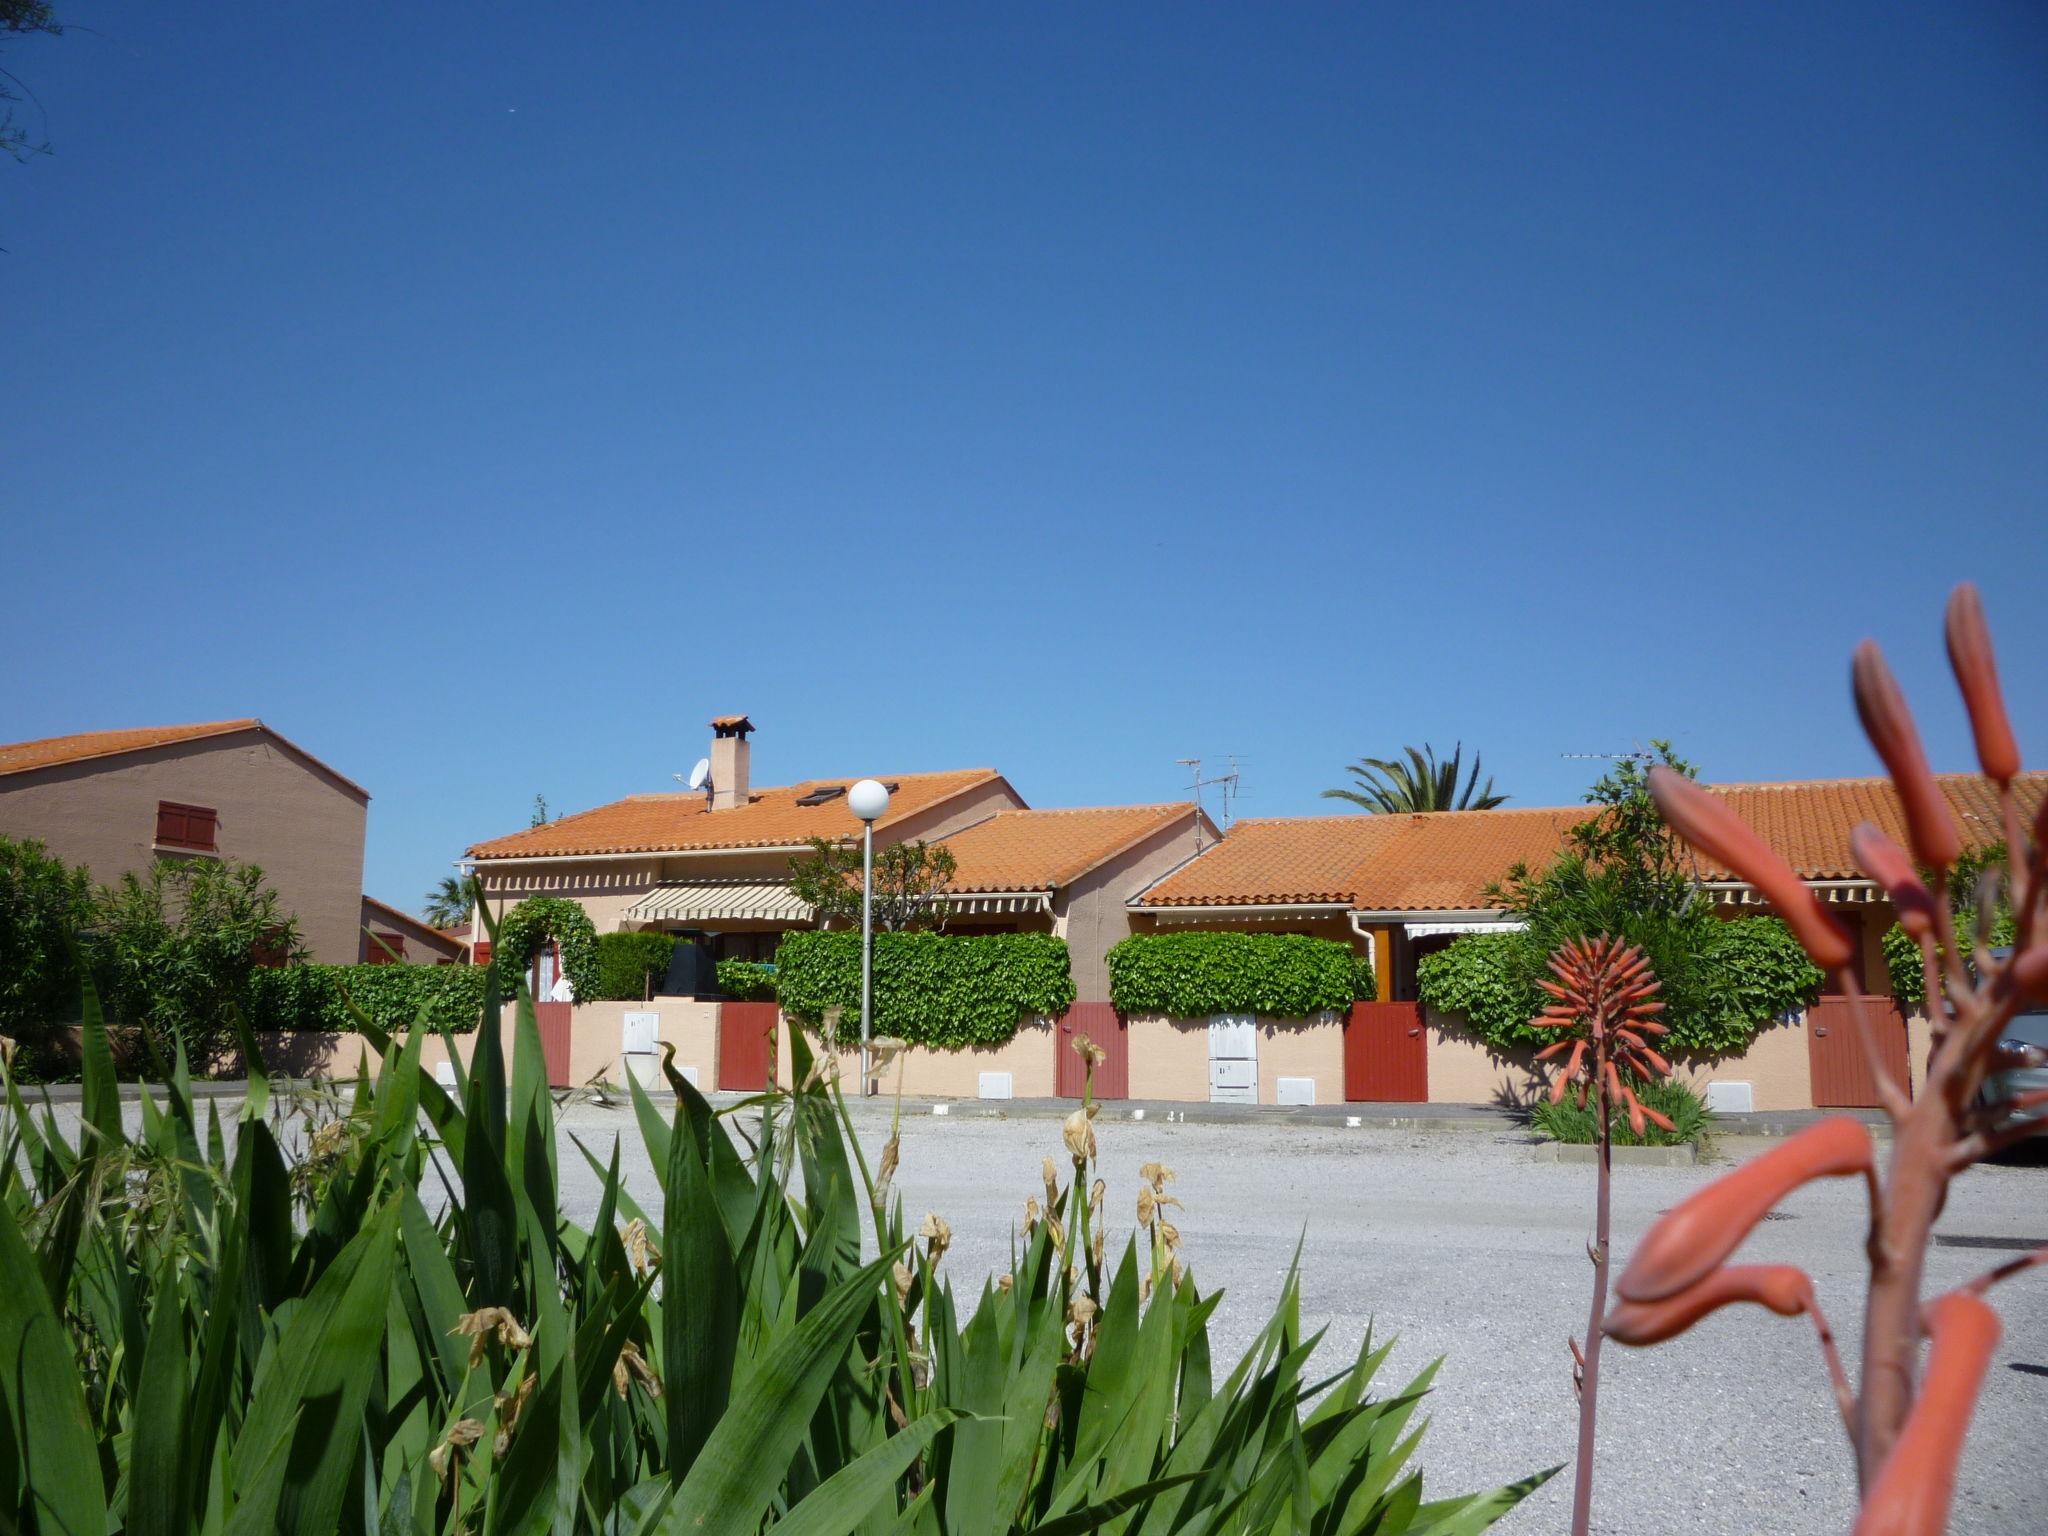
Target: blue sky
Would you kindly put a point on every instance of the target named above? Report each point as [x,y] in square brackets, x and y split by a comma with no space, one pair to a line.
[486,396]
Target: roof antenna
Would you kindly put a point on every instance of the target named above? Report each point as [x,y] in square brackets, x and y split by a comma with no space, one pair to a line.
[1228,782]
[698,777]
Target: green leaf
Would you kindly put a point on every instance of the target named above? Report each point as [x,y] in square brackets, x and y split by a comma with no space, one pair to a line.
[700,1304]
[846,1498]
[155,1445]
[735,1475]
[54,1441]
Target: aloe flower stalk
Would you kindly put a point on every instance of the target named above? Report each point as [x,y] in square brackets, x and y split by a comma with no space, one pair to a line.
[1905,1425]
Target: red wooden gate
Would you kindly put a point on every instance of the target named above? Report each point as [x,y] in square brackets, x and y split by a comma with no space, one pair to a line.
[1840,1065]
[746,1046]
[553,1019]
[1386,1054]
[1101,1023]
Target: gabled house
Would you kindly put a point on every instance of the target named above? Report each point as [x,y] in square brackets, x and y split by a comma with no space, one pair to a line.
[117,802]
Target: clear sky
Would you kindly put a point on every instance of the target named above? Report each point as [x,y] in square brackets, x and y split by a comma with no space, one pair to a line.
[485,396]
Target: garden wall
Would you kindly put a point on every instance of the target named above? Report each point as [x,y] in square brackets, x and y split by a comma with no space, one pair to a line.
[927,1073]
[1170,1057]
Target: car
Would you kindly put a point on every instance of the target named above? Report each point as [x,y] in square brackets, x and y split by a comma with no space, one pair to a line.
[2024,1031]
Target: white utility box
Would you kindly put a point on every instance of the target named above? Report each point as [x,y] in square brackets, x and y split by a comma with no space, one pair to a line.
[996,1085]
[1295,1090]
[1731,1098]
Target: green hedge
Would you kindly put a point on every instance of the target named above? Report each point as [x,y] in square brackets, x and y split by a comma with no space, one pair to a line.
[521,931]
[629,963]
[1902,955]
[309,997]
[930,988]
[746,981]
[1192,975]
[1745,972]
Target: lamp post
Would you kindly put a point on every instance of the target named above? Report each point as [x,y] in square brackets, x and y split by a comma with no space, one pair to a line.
[869,800]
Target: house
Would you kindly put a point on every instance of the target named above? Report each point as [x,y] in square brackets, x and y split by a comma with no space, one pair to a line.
[117,802]
[1400,886]
[713,864]
[393,937]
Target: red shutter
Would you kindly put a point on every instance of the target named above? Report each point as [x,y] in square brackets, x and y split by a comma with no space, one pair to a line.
[187,826]
[480,952]
[383,949]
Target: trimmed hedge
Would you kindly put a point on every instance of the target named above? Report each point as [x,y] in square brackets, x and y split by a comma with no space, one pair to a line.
[746,981]
[933,989]
[309,997]
[1192,975]
[628,962]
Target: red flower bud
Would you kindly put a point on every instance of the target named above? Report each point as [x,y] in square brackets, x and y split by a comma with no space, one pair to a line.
[1699,1232]
[1917,1483]
[1886,863]
[1709,825]
[1785,1290]
[1969,652]
[1930,825]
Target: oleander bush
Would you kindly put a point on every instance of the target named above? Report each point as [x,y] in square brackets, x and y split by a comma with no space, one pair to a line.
[935,989]
[289,1323]
[1192,975]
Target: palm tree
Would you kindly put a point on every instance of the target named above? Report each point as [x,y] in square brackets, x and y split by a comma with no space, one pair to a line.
[448,902]
[1420,784]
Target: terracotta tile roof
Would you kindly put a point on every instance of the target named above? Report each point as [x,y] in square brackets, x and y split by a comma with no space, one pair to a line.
[1444,860]
[1278,860]
[1042,850]
[726,722]
[50,751]
[682,822]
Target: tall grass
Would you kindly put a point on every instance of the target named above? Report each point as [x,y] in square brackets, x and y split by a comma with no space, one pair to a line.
[379,1321]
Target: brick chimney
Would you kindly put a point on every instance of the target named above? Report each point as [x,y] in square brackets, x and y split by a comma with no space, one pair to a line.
[729,761]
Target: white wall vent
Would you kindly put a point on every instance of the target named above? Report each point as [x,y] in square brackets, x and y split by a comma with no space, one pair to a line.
[996,1085]
[1295,1090]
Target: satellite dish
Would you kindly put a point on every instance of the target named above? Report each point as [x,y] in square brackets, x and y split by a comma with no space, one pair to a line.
[700,773]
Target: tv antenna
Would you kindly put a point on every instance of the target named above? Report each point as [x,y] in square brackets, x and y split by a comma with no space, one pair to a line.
[1230,783]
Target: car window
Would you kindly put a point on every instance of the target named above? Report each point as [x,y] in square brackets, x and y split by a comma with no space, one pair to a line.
[2028,1029]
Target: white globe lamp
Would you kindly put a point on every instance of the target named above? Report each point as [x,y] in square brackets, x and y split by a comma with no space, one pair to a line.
[869,800]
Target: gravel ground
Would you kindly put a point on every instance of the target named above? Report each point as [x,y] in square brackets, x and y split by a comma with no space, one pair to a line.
[1460,1244]
[1464,1247]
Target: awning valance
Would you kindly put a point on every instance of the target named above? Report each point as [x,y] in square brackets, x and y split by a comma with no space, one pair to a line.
[710,901]
[1432,930]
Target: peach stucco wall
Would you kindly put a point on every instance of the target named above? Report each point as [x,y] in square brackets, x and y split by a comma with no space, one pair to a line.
[1170,1057]
[925,1073]
[301,823]
[1094,912]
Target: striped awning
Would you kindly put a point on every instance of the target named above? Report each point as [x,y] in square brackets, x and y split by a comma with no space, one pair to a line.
[710,901]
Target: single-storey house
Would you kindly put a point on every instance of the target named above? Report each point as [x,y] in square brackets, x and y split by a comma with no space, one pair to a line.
[116,802]
[1399,886]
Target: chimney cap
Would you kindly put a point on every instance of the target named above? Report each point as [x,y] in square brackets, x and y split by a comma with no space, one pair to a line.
[731,725]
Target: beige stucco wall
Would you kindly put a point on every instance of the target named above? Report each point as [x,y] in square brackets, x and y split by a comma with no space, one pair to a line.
[594,1038]
[1170,1057]
[1092,914]
[1463,1069]
[1776,1066]
[277,809]
[925,1073]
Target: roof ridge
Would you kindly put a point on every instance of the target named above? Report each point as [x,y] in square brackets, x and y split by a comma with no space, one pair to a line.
[1095,810]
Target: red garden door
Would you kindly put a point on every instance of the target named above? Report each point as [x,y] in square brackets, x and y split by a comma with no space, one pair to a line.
[746,1046]
[1386,1054]
[1100,1023]
[550,1014]
[1840,1065]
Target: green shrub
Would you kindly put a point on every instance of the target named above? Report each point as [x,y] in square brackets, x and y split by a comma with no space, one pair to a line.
[930,988]
[1690,1117]
[1193,975]
[1365,981]
[522,930]
[628,965]
[321,1331]
[746,981]
[44,903]
[1724,982]
[1902,955]
[310,997]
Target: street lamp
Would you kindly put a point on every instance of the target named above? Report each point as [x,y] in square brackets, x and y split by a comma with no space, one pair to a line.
[869,800]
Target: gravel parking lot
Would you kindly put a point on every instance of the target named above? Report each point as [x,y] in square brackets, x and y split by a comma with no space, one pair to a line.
[1464,1247]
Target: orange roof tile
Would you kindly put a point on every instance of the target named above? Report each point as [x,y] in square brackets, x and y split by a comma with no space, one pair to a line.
[683,822]
[1277,860]
[1444,860]
[1042,850]
[51,751]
